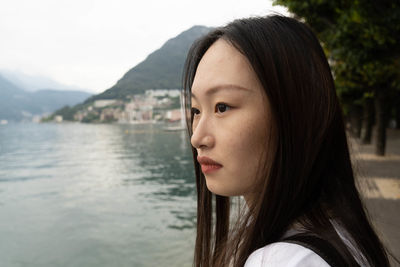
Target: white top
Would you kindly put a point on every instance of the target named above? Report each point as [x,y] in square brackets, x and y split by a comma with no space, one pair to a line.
[281,254]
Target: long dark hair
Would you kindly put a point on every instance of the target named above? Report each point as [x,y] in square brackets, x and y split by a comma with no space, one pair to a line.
[310,183]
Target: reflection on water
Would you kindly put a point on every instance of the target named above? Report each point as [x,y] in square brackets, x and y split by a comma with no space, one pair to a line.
[95,195]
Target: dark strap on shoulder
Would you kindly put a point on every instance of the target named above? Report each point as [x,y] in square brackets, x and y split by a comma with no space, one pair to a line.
[320,246]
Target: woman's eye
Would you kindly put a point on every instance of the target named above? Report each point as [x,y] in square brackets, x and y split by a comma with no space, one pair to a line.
[195,111]
[221,107]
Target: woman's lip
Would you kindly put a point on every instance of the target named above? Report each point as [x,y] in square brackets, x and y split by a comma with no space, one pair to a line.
[207,161]
[208,165]
[207,168]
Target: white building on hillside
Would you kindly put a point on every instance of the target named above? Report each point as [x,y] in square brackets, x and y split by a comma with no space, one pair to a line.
[104,102]
[163,92]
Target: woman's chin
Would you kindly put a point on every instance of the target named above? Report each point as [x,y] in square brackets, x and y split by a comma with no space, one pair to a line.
[221,190]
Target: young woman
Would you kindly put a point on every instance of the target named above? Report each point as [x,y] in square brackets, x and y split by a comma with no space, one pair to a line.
[266,124]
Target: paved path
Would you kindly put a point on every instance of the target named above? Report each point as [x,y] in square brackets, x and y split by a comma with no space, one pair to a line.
[379,183]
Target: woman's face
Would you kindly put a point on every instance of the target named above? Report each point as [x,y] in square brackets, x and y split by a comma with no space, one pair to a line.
[231,125]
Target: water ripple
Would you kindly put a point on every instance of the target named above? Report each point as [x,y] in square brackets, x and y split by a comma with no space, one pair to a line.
[95,195]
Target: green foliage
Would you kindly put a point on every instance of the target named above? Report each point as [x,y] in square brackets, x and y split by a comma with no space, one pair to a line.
[66,112]
[91,117]
[361,39]
[176,103]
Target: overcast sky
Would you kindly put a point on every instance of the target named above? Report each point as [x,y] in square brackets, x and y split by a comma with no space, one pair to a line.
[92,43]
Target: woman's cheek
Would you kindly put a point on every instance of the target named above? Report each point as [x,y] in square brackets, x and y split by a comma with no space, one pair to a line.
[239,136]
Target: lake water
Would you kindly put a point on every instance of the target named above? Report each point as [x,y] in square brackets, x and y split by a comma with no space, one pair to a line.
[95,195]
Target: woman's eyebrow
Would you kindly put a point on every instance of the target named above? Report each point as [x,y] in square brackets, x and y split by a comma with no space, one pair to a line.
[214,89]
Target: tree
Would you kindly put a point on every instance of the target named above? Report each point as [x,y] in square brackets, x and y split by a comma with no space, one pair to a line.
[361,38]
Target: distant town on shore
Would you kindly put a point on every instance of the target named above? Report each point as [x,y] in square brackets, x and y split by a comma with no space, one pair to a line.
[157,105]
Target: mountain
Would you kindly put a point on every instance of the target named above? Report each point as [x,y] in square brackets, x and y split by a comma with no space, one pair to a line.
[50,100]
[13,100]
[17,104]
[162,69]
[33,83]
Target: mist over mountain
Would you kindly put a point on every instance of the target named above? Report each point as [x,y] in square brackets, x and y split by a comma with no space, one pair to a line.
[162,69]
[12,100]
[17,104]
[33,83]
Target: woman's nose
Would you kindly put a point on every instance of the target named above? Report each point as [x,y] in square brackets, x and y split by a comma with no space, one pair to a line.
[202,136]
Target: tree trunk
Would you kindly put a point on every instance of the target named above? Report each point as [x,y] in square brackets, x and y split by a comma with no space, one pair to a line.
[356,121]
[368,120]
[397,110]
[382,115]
